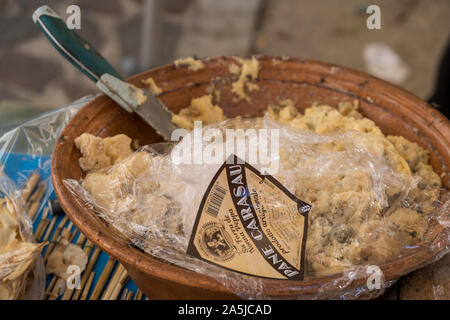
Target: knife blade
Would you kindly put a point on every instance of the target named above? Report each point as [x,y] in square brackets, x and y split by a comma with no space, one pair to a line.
[91,63]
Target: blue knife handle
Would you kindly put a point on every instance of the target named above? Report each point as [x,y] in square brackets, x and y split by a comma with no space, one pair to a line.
[71,46]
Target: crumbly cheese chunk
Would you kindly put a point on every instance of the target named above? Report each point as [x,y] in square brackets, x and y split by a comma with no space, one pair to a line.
[152,86]
[191,63]
[249,72]
[359,216]
[101,153]
[200,109]
[140,96]
[17,255]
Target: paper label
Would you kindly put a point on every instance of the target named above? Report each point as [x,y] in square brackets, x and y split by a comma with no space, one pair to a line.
[250,223]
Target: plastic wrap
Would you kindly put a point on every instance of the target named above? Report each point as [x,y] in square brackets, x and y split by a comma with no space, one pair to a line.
[21,266]
[25,155]
[368,206]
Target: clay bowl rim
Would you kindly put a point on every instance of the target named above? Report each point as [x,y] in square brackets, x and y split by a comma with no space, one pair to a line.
[147,264]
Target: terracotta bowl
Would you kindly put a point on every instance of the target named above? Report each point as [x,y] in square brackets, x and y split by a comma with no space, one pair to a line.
[396,111]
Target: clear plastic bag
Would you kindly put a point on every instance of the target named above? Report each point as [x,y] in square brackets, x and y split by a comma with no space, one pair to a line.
[364,213]
[25,152]
[21,266]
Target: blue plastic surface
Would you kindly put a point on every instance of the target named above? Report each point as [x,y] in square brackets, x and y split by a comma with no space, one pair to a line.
[15,166]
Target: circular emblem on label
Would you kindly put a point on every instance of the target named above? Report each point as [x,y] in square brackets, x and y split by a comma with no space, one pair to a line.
[215,242]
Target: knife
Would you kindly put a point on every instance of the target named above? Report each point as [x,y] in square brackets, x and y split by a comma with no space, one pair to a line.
[93,65]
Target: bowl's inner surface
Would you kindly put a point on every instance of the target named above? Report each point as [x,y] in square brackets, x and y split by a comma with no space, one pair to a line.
[394,111]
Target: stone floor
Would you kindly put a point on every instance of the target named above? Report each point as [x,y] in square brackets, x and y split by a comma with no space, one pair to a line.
[34,78]
[335,31]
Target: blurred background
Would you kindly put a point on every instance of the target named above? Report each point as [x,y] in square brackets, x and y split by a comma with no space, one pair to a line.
[139,34]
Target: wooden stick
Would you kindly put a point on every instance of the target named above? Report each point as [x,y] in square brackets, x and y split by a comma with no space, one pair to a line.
[66,234]
[51,285]
[37,195]
[32,210]
[125,279]
[124,294]
[55,236]
[139,295]
[47,226]
[40,233]
[103,278]
[41,225]
[35,200]
[88,247]
[49,229]
[81,239]
[129,296]
[28,187]
[69,228]
[87,287]
[60,226]
[68,294]
[86,274]
[118,285]
[45,213]
[56,291]
[113,283]
[74,234]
